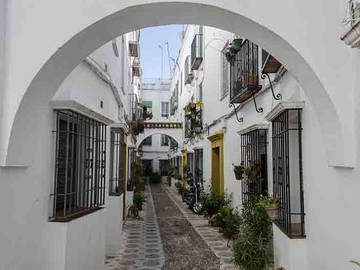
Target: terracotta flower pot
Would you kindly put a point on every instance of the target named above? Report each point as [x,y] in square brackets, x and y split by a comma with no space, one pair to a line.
[273,211]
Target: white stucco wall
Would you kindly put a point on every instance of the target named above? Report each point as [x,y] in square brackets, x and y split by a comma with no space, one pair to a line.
[114,224]
[85,242]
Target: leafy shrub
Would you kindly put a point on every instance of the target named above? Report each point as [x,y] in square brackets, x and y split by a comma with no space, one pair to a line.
[252,246]
[212,202]
[139,200]
[179,187]
[228,219]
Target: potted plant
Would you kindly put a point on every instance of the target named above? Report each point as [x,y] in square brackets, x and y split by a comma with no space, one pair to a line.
[252,245]
[139,199]
[236,44]
[239,172]
[270,205]
[251,173]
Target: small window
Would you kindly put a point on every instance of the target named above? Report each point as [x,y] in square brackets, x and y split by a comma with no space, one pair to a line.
[225,74]
[164,140]
[165,109]
[79,166]
[117,162]
[287,172]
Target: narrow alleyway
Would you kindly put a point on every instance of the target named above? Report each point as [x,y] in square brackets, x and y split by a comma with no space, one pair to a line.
[169,236]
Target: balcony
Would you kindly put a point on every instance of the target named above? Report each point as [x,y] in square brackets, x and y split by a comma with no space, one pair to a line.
[133,49]
[197,51]
[244,73]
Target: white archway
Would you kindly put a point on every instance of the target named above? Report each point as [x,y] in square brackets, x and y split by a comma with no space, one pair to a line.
[70,42]
[176,134]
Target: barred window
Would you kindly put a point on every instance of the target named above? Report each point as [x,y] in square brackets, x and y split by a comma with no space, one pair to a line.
[80,155]
[117,162]
[164,109]
[287,172]
[165,140]
[254,155]
[198,170]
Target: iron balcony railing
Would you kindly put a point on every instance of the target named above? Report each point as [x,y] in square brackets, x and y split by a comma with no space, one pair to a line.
[244,73]
[197,51]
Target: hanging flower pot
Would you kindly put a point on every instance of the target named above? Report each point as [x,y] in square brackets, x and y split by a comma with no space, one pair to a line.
[236,44]
[239,172]
[192,105]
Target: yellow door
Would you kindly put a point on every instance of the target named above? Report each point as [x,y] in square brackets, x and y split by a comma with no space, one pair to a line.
[217,161]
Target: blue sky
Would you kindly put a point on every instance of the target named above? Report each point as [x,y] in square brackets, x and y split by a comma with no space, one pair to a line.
[150,53]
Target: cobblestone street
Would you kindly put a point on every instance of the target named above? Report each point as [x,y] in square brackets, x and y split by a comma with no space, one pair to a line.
[169,236]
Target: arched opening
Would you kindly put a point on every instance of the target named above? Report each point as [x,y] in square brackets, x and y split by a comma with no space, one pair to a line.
[154,149]
[17,145]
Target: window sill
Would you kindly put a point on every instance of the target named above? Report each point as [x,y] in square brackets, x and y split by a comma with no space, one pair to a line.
[291,236]
[76,215]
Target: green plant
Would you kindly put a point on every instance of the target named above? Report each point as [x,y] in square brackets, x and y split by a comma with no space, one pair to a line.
[252,244]
[251,172]
[179,187]
[139,200]
[270,205]
[239,171]
[355,262]
[213,202]
[228,219]
[266,201]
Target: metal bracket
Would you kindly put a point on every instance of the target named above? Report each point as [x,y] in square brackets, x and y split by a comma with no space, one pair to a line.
[260,109]
[266,75]
[240,120]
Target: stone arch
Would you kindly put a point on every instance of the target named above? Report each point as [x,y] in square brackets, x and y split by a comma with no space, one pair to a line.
[172,133]
[248,19]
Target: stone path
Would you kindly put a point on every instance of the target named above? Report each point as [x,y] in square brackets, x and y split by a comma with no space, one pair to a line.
[142,248]
[170,237]
[184,248]
[211,236]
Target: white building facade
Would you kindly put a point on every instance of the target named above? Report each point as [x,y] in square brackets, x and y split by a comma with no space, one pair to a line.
[276,131]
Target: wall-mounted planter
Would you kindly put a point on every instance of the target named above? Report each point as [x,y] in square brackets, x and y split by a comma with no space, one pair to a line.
[352,37]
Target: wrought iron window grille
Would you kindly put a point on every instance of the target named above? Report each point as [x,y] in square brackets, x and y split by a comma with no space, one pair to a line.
[198,166]
[254,154]
[80,166]
[288,172]
[117,162]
